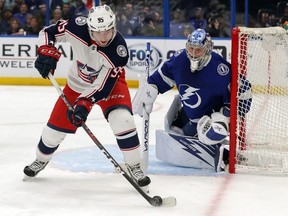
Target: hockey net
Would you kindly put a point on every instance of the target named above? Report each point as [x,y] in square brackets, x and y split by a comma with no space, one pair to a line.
[259,139]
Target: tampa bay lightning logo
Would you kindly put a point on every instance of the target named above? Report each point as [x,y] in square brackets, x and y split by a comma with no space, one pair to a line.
[189,96]
[223,69]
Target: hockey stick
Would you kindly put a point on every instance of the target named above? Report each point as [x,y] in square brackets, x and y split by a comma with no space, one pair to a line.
[154,201]
[146,116]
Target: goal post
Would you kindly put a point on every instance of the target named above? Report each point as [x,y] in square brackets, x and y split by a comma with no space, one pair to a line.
[259,138]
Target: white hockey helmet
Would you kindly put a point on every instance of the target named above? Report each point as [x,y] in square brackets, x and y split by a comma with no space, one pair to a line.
[198,48]
[101,18]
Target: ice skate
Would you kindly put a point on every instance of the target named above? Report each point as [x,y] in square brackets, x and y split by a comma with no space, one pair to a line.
[33,169]
[139,176]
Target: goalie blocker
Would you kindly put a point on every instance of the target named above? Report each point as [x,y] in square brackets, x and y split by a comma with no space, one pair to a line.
[175,148]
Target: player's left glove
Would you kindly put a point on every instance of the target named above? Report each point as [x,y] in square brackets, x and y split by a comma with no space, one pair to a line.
[213,130]
[144,99]
[244,97]
[47,59]
[82,108]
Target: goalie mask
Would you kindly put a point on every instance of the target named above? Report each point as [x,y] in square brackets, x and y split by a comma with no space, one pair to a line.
[101,24]
[198,48]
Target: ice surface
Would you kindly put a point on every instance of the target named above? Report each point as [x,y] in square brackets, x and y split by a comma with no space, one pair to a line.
[80,180]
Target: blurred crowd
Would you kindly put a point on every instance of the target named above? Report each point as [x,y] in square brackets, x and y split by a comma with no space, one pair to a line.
[135,17]
[28,17]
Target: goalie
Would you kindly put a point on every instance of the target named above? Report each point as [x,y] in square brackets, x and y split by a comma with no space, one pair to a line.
[197,122]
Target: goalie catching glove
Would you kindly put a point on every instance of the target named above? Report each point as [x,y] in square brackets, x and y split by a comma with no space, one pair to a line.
[47,59]
[82,108]
[144,99]
[213,130]
[244,96]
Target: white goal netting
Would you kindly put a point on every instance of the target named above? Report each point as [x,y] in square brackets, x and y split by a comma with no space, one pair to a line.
[262,134]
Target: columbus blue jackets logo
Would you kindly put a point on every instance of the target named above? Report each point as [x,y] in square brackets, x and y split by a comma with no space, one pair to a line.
[121,51]
[80,20]
[86,73]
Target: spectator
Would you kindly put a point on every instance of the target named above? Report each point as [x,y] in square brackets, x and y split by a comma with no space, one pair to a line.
[56,4]
[57,15]
[41,15]
[67,10]
[187,29]
[123,26]
[28,20]
[149,27]
[34,27]
[158,22]
[16,6]
[177,24]
[15,28]
[5,22]
[198,20]
[32,5]
[8,3]
[21,16]
[134,21]
[80,8]
[213,26]
[144,12]
[2,8]
[266,18]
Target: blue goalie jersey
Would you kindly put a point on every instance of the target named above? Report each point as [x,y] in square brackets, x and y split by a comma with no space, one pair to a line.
[202,92]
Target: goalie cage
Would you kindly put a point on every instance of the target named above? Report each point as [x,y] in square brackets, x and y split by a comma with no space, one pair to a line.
[259,140]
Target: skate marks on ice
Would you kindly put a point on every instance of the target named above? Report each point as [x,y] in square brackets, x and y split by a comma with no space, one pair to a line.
[90,159]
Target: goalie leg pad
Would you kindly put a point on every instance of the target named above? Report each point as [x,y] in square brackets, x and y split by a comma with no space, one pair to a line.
[184,151]
[172,113]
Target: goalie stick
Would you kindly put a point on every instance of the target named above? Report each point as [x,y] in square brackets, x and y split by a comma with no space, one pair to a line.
[146,116]
[154,201]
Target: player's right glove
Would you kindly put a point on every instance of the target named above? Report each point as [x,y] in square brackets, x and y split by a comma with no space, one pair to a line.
[82,108]
[47,59]
[144,99]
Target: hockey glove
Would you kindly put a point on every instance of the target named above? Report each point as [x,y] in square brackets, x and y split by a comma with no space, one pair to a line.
[47,59]
[244,97]
[82,108]
[213,130]
[144,99]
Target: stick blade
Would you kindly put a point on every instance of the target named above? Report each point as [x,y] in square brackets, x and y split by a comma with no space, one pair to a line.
[169,201]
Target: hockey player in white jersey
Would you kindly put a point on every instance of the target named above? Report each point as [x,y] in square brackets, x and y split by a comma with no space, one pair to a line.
[197,123]
[97,76]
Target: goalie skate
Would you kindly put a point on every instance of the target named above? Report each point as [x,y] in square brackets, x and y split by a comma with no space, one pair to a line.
[34,168]
[139,176]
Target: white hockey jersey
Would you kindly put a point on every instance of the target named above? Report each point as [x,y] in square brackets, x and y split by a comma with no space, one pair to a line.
[95,69]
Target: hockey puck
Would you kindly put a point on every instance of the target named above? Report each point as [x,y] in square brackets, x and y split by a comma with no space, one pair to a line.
[156,201]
